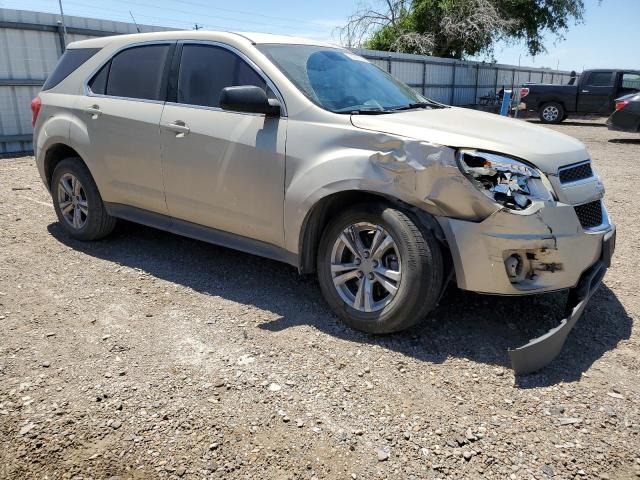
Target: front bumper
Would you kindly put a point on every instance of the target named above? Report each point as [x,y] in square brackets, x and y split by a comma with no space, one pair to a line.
[541,351]
[554,247]
[560,253]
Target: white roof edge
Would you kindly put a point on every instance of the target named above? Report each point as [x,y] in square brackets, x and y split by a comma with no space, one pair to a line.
[257,37]
[252,37]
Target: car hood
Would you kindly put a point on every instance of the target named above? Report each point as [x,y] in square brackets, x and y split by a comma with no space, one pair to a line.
[464,128]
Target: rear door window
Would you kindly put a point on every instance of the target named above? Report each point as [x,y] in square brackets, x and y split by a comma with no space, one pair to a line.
[631,81]
[69,62]
[205,70]
[137,72]
[600,79]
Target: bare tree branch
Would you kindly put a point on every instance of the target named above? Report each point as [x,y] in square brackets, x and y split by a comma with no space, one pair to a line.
[421,44]
[466,24]
[474,20]
[366,20]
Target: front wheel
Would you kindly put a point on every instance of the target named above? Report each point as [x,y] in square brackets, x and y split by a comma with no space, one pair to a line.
[378,270]
[551,112]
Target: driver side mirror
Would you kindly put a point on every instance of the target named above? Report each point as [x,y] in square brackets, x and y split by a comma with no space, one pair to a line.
[249,99]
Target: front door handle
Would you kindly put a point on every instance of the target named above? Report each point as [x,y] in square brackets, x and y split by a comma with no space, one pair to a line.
[585,91]
[180,127]
[94,111]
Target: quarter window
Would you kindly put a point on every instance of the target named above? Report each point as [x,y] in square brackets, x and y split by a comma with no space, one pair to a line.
[136,73]
[98,84]
[599,79]
[205,70]
[70,61]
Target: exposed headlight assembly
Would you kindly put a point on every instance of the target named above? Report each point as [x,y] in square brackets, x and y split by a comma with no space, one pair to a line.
[511,183]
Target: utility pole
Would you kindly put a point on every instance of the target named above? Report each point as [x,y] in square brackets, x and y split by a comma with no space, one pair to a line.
[197,27]
[64,26]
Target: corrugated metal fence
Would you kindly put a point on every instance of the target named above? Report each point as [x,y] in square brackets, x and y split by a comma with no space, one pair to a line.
[32,42]
[458,82]
[30,45]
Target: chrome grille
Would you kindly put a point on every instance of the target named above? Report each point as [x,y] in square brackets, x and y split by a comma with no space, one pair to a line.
[573,173]
[589,214]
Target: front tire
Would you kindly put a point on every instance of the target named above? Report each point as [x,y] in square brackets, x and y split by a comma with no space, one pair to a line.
[378,270]
[78,203]
[551,113]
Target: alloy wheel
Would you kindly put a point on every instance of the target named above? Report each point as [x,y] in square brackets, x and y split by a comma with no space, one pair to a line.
[550,113]
[366,267]
[72,200]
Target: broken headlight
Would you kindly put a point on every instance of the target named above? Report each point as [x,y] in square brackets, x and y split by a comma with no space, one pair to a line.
[511,183]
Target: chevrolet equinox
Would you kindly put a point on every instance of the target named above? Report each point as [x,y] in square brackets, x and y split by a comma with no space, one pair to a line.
[309,154]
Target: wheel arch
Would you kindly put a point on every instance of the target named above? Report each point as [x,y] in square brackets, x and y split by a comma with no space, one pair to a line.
[54,155]
[327,207]
[551,99]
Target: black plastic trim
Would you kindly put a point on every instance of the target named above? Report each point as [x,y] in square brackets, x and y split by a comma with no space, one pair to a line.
[200,232]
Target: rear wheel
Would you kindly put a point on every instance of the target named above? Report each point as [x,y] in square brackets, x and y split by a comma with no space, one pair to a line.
[78,203]
[378,270]
[551,112]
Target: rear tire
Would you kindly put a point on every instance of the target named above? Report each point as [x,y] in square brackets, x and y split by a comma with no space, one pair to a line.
[551,113]
[78,203]
[411,255]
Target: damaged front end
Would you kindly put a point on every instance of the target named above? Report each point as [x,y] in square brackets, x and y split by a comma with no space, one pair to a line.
[533,242]
[539,352]
[505,180]
[512,226]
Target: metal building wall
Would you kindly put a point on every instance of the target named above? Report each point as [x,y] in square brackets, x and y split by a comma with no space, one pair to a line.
[32,42]
[30,45]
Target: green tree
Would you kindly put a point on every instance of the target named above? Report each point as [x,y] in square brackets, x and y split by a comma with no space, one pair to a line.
[459,28]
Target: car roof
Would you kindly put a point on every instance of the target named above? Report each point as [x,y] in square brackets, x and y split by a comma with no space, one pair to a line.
[234,37]
[625,70]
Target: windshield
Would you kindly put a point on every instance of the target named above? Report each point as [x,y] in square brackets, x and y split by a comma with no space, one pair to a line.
[340,81]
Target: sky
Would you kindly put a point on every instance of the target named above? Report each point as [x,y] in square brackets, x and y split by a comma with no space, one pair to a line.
[608,38]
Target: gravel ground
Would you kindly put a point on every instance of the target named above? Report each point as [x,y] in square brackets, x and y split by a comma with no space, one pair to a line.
[149,355]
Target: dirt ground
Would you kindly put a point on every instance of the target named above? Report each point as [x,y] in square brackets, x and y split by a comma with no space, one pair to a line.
[148,355]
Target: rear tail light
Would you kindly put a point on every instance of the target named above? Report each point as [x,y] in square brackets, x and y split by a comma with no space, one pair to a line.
[620,105]
[524,91]
[36,103]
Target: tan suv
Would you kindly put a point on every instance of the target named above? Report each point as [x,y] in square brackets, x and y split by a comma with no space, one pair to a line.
[309,154]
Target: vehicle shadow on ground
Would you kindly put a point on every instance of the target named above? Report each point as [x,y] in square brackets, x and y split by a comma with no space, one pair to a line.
[477,327]
[630,141]
[573,123]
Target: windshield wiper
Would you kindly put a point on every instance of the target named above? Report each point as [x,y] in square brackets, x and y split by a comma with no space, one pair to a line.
[363,111]
[411,106]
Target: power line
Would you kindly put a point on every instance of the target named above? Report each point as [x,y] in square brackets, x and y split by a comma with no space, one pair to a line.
[216,17]
[242,21]
[253,14]
[85,9]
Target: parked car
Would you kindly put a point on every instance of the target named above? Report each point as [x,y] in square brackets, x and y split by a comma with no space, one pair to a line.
[595,93]
[626,116]
[308,154]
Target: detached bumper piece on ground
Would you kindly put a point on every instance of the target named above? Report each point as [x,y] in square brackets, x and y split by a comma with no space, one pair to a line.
[541,351]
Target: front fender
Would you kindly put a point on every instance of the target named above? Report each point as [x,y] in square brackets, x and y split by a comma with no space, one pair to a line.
[416,172]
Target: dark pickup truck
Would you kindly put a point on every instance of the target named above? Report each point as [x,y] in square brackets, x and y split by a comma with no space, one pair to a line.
[595,93]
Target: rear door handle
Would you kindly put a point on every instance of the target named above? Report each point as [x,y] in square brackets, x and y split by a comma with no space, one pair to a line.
[180,127]
[94,111]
